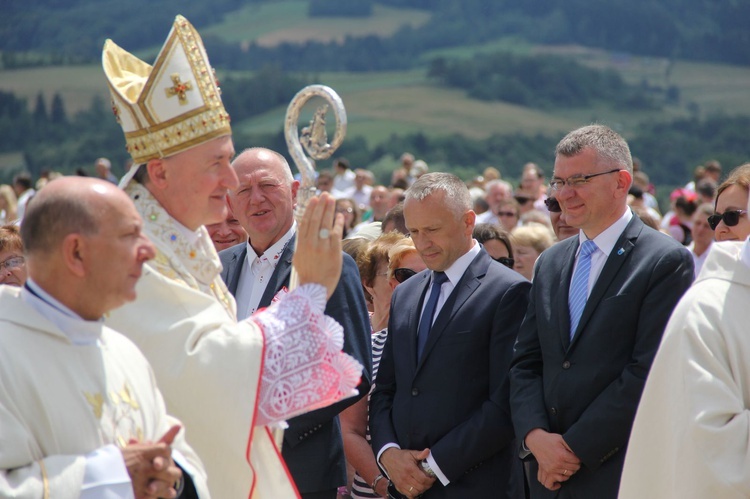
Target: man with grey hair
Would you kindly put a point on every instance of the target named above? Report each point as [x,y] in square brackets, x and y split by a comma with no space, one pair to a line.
[598,308]
[258,273]
[496,191]
[434,434]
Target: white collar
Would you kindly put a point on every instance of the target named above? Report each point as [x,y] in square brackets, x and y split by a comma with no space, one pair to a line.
[457,270]
[608,238]
[745,252]
[273,252]
[78,330]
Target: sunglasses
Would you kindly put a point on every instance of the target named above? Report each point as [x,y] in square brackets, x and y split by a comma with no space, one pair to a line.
[522,199]
[402,274]
[508,262]
[507,214]
[730,218]
[553,205]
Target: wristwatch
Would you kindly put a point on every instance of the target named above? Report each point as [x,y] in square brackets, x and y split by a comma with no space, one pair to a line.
[426,468]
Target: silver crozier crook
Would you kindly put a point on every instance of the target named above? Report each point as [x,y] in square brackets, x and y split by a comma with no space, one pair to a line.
[313,139]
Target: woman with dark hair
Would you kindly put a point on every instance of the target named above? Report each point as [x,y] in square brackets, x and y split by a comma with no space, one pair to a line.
[12,262]
[496,242]
[729,220]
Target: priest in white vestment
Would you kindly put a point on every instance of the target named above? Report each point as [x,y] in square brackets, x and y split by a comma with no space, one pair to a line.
[227,381]
[691,437]
[78,401]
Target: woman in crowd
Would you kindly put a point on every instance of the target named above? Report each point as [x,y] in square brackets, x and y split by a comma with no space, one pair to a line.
[561,229]
[387,262]
[348,208]
[729,220]
[8,205]
[508,213]
[703,236]
[12,263]
[496,242]
[528,242]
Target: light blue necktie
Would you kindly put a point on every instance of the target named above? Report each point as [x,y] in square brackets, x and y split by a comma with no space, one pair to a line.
[579,288]
[425,324]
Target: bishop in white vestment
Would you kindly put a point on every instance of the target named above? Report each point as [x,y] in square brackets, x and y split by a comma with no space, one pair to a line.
[227,381]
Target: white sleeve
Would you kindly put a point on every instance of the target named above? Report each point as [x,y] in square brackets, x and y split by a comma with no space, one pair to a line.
[106,476]
[303,366]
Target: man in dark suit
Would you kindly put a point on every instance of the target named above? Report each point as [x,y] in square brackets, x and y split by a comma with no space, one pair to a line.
[439,414]
[255,272]
[598,308]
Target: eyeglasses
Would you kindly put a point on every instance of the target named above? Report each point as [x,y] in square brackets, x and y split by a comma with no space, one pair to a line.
[522,199]
[731,218]
[553,205]
[344,210]
[506,214]
[402,274]
[576,180]
[12,263]
[508,262]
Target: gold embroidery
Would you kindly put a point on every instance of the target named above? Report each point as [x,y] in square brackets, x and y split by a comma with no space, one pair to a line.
[45,479]
[96,400]
[126,398]
[179,89]
[118,414]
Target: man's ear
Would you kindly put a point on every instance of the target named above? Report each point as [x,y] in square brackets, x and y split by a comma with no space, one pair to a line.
[295,188]
[624,181]
[157,172]
[74,254]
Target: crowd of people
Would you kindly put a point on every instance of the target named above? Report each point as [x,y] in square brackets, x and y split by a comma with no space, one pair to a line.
[187,334]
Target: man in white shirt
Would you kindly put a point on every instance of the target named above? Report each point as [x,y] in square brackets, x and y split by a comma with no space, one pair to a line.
[258,273]
[22,186]
[439,414]
[80,414]
[598,308]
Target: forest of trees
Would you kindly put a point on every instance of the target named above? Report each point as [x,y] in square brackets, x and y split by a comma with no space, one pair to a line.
[49,139]
[543,82]
[58,32]
[74,30]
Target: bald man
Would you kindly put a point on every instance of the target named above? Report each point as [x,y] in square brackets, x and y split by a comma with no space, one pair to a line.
[80,413]
[259,271]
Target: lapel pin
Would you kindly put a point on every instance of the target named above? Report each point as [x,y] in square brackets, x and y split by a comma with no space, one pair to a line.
[621,251]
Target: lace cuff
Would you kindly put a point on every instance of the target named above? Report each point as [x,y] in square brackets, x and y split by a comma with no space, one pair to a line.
[304,368]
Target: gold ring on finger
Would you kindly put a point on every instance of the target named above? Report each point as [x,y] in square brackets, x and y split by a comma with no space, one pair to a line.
[565,472]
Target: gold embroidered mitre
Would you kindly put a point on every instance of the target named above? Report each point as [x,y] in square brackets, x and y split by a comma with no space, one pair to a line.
[168,107]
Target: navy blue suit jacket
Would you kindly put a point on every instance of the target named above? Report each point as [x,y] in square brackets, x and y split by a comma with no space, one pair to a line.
[588,389]
[455,399]
[313,447]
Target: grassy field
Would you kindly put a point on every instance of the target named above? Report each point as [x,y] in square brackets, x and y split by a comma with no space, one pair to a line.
[379,104]
[286,21]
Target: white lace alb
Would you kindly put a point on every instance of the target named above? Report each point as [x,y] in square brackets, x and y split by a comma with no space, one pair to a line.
[303,367]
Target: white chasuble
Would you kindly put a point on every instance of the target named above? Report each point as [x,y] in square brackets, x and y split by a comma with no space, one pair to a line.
[691,435]
[226,379]
[60,401]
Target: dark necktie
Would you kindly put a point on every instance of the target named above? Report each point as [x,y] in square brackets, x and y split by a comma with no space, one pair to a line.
[438,278]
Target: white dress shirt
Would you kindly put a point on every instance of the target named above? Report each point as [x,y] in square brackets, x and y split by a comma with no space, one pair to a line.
[255,273]
[605,243]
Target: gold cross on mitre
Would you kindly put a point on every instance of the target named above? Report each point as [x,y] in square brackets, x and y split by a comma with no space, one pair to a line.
[179,88]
